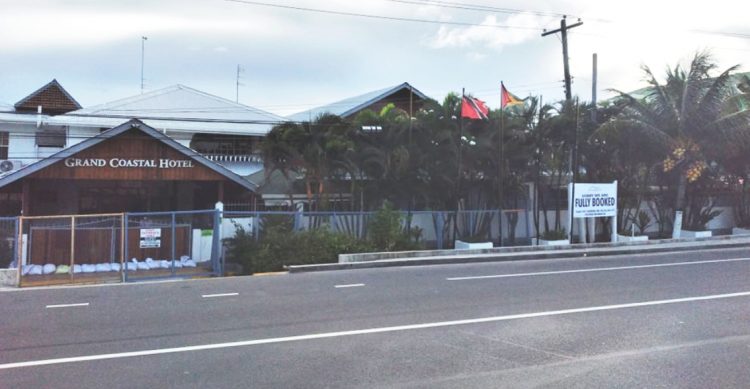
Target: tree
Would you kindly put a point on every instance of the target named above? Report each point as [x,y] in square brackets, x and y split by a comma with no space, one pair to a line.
[688,119]
[315,150]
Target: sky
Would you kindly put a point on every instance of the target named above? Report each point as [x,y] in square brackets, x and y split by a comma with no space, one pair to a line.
[295,60]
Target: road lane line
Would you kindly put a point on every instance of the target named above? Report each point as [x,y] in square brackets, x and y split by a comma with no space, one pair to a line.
[366,331]
[206,296]
[595,269]
[68,305]
[349,285]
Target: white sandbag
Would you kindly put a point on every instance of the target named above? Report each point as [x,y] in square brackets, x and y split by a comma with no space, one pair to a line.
[25,270]
[77,269]
[132,266]
[62,269]
[88,268]
[115,266]
[36,270]
[48,268]
[103,267]
[143,266]
[184,258]
[152,264]
[189,263]
[165,264]
[177,264]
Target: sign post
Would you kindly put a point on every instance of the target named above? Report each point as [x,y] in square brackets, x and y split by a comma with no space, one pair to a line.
[594,200]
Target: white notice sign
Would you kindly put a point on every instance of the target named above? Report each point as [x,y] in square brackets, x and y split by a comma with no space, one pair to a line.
[150,238]
[595,200]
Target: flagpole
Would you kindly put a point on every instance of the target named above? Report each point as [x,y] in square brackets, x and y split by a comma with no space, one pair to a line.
[500,163]
[458,178]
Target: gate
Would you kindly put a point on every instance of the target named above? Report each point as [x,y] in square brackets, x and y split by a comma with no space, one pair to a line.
[69,249]
[178,244]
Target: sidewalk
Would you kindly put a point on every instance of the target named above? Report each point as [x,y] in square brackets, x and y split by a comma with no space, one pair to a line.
[518,253]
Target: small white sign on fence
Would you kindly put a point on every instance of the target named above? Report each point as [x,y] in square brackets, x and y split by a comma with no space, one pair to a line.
[150,238]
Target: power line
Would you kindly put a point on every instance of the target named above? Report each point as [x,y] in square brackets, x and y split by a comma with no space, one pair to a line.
[476,7]
[382,17]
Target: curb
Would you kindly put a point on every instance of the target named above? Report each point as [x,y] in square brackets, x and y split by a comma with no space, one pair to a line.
[572,252]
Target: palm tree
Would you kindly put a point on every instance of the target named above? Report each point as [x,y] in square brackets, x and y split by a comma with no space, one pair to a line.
[687,118]
[316,150]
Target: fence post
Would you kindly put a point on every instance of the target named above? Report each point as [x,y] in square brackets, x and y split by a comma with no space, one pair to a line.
[500,227]
[297,221]
[174,240]
[334,223]
[216,244]
[256,225]
[125,255]
[528,226]
[439,225]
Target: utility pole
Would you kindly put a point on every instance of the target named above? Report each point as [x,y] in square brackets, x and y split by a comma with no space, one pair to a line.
[593,89]
[143,52]
[240,69]
[563,30]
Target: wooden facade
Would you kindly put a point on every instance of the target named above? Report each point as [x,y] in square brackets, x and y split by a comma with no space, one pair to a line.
[135,170]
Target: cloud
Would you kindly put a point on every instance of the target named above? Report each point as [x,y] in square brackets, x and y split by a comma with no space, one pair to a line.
[525,27]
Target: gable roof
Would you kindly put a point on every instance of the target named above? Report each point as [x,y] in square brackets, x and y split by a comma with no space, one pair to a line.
[111,133]
[177,107]
[52,97]
[180,102]
[351,105]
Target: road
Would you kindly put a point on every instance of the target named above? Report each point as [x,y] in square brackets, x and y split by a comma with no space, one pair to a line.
[666,320]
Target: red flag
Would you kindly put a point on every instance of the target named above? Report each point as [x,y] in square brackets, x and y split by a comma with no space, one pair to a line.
[473,108]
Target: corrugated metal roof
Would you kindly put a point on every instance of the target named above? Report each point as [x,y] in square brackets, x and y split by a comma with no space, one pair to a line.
[176,107]
[353,104]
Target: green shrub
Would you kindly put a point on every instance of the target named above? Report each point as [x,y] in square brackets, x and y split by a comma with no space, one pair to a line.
[555,235]
[279,247]
[387,234]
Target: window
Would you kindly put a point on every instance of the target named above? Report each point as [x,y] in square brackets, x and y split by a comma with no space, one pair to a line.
[209,144]
[51,136]
[4,145]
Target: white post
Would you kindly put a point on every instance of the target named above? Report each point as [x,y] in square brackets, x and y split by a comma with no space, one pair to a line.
[570,213]
[614,221]
[582,229]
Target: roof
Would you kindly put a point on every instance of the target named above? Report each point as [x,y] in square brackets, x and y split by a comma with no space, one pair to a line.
[351,105]
[111,133]
[177,107]
[275,183]
[52,97]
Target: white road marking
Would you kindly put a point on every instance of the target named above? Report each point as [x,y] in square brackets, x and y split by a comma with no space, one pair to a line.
[349,286]
[219,295]
[68,305]
[595,269]
[376,330]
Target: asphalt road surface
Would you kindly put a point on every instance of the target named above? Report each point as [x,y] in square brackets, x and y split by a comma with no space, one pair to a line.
[667,320]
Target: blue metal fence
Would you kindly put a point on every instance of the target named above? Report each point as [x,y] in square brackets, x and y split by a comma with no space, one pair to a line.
[176,250]
[437,229]
[8,242]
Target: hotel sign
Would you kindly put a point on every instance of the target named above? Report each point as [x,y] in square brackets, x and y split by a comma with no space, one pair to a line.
[163,163]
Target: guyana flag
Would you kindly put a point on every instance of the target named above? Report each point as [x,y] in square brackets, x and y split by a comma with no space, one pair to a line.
[507,98]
